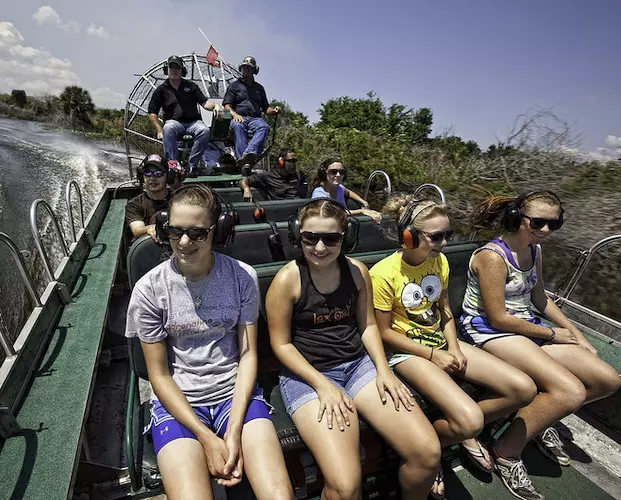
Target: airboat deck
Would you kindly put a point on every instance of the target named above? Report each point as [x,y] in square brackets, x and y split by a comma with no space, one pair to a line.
[70,412]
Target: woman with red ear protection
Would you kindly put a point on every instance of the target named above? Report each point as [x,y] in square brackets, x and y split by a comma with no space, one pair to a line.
[413,313]
[328,183]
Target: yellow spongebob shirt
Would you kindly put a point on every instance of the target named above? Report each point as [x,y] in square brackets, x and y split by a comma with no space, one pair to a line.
[412,293]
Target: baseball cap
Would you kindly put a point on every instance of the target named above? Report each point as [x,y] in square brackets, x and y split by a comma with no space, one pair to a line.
[155,162]
[175,60]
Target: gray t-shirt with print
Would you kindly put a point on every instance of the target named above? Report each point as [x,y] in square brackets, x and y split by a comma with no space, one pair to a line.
[203,350]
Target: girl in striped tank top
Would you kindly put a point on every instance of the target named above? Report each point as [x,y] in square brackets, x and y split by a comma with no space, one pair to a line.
[504,298]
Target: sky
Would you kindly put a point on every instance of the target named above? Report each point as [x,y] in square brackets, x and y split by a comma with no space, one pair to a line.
[476,64]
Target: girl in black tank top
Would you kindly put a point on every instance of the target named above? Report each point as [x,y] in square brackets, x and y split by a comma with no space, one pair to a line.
[322,329]
[323,326]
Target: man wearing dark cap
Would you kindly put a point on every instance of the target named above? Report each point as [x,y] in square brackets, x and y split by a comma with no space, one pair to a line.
[247,101]
[178,98]
[140,211]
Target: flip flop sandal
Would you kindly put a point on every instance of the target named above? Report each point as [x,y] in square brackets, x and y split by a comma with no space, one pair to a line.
[473,454]
[439,480]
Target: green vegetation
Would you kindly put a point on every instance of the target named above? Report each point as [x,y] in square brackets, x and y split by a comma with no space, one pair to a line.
[73,109]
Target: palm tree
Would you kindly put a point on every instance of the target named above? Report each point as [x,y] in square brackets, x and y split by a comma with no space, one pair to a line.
[77,105]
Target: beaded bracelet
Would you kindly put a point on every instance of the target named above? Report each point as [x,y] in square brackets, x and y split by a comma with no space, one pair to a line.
[553,334]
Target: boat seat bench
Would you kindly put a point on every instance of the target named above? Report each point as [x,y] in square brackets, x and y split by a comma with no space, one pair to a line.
[41,463]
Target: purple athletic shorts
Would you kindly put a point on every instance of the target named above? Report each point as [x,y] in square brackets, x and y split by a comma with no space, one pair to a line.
[165,428]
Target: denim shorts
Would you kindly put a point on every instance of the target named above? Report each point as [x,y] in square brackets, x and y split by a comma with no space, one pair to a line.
[165,428]
[350,376]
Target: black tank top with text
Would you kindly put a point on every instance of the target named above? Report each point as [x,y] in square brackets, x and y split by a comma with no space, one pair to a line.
[323,326]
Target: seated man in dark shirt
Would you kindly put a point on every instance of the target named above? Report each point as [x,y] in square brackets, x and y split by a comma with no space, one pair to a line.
[140,211]
[179,98]
[285,183]
[247,100]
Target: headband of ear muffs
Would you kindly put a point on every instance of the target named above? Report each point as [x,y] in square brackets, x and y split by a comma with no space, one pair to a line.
[224,231]
[350,239]
[408,235]
[512,217]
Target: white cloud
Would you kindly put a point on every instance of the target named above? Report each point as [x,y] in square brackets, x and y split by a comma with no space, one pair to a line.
[34,70]
[47,15]
[613,141]
[105,97]
[98,31]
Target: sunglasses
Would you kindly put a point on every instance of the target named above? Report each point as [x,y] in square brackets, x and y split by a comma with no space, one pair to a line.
[291,160]
[194,233]
[337,171]
[439,236]
[329,239]
[174,66]
[540,223]
[154,173]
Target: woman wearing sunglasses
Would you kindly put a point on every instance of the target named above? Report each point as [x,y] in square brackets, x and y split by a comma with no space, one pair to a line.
[195,316]
[504,300]
[414,316]
[322,329]
[328,183]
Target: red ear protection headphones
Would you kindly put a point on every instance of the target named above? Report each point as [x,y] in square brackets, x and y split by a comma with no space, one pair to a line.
[408,236]
[259,212]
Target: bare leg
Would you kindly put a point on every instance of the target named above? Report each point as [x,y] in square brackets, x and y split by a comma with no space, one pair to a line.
[599,378]
[510,389]
[463,419]
[336,452]
[264,463]
[560,391]
[410,434]
[184,470]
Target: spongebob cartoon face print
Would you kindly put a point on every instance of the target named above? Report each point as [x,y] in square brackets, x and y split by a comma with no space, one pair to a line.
[413,295]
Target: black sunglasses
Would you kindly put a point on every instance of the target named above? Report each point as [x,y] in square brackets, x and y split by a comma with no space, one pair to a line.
[154,173]
[329,239]
[291,160]
[194,233]
[540,222]
[440,236]
[334,171]
[174,66]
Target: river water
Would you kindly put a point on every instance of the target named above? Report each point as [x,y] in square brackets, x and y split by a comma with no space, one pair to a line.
[37,162]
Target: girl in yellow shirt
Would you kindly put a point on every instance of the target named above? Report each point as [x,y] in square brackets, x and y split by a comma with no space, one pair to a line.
[411,300]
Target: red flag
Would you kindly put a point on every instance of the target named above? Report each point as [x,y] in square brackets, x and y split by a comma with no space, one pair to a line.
[212,56]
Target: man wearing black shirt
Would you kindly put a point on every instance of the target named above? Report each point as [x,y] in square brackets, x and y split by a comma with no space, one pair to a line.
[140,211]
[179,98]
[247,100]
[285,183]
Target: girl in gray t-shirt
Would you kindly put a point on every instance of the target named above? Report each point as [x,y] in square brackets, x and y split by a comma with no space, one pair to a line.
[195,316]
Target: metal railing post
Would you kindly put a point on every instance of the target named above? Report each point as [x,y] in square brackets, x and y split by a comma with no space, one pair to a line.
[374,174]
[435,187]
[34,225]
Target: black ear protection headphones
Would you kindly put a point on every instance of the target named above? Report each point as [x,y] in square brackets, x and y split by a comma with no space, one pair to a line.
[512,218]
[184,71]
[224,231]
[249,59]
[350,239]
[259,212]
[408,236]
[170,175]
[323,170]
[275,243]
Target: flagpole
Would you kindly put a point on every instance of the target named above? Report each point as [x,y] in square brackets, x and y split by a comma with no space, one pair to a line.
[222,61]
